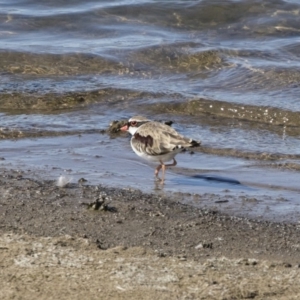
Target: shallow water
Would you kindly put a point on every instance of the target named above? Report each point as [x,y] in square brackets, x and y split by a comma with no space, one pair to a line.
[226,72]
[228,184]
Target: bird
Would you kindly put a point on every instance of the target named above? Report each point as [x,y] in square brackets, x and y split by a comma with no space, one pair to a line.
[156,142]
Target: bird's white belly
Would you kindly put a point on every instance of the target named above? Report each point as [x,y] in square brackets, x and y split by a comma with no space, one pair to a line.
[157,158]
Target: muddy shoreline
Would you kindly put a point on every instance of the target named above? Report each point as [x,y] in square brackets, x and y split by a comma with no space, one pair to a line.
[161,226]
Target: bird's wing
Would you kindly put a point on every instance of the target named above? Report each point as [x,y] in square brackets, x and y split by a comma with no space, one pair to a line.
[156,138]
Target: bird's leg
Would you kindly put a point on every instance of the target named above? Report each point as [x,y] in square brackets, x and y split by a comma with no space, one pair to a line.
[173,164]
[157,170]
[163,167]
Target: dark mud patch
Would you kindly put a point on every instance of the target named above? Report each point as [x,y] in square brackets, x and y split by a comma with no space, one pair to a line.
[115,126]
[101,203]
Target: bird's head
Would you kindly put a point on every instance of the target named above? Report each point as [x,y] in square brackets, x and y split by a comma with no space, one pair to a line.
[134,123]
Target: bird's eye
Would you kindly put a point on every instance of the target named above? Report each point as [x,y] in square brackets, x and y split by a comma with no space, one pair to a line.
[133,123]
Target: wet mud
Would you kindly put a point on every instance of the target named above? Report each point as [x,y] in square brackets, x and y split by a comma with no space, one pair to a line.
[26,201]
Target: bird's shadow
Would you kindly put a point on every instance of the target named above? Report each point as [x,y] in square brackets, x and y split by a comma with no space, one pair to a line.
[225,182]
[216,178]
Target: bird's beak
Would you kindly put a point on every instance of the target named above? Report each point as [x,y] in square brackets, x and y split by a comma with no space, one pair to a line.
[124,128]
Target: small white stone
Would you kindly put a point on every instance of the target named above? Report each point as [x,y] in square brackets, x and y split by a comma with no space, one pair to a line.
[63,181]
